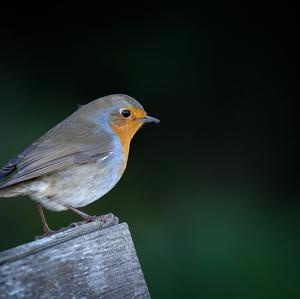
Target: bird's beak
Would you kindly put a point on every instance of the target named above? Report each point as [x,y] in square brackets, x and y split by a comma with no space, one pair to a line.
[149,119]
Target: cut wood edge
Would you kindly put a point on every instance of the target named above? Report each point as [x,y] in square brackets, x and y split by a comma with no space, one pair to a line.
[102,223]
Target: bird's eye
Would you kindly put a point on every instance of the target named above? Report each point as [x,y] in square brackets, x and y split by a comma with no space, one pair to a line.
[126,113]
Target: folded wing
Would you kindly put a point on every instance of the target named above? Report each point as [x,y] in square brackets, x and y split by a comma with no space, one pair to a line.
[38,160]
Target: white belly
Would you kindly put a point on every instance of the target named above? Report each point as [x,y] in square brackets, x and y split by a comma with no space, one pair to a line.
[77,186]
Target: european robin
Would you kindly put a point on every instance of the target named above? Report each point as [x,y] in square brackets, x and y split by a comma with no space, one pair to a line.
[80,159]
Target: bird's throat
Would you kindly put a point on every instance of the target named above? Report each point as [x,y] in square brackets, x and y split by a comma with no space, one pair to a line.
[125,134]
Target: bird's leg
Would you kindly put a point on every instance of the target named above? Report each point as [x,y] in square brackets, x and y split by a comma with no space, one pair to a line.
[47,230]
[83,215]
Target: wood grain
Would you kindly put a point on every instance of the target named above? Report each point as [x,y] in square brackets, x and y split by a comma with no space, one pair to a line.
[87,261]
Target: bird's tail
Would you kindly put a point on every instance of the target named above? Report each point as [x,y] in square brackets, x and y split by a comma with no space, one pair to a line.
[8,192]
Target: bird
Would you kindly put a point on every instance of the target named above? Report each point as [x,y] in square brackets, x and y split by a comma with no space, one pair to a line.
[79,160]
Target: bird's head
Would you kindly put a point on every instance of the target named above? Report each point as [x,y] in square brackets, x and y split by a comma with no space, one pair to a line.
[125,115]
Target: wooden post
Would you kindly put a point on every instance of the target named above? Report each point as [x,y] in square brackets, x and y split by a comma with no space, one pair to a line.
[93,260]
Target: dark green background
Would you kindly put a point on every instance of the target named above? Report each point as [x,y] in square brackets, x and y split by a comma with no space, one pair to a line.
[210,194]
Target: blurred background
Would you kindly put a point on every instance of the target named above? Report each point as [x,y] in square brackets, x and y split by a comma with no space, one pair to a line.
[211,194]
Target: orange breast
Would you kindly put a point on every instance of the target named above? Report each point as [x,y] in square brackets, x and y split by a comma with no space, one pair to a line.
[126,128]
[125,133]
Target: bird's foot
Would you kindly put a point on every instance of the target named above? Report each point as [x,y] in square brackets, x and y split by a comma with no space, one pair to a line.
[47,233]
[106,220]
[89,218]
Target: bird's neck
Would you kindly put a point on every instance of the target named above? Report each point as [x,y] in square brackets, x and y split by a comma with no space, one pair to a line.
[125,134]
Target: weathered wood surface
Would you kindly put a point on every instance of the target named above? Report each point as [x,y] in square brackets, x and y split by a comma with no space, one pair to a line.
[94,260]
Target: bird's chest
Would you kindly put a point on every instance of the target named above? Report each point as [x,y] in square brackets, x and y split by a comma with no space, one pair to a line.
[86,183]
[80,185]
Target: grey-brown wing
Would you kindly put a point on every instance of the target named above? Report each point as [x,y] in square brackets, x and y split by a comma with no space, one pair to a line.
[41,160]
[77,140]
[11,165]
